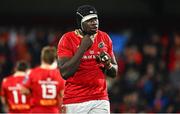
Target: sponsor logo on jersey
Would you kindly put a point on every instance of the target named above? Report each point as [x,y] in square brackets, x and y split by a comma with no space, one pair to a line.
[101,45]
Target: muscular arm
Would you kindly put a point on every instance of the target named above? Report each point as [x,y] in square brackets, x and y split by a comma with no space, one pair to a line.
[68,66]
[61,94]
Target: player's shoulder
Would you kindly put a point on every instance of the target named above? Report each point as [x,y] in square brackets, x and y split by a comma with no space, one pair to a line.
[35,70]
[102,32]
[104,35]
[7,78]
[68,34]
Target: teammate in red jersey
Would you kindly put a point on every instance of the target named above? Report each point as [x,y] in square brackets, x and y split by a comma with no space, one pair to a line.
[85,57]
[45,84]
[12,99]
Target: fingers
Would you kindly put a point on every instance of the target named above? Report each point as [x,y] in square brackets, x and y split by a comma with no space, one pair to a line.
[104,58]
[86,42]
[92,37]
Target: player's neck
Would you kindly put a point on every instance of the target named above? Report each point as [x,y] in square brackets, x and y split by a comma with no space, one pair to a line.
[47,66]
[19,73]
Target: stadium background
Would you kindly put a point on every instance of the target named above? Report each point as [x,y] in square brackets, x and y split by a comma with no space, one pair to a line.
[145,36]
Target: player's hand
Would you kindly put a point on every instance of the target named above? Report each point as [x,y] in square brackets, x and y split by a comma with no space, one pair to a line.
[87,41]
[24,90]
[105,59]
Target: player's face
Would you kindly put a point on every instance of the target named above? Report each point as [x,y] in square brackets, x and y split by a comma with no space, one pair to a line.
[91,25]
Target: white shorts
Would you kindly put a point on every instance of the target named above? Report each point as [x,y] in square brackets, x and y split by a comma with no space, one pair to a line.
[89,107]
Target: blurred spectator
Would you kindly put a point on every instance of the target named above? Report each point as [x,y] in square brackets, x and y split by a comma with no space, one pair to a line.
[5,55]
[174,55]
[130,103]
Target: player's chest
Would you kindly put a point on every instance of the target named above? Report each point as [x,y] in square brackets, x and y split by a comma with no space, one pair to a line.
[98,46]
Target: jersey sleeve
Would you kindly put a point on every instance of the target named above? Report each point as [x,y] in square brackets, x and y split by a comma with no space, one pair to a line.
[64,47]
[110,46]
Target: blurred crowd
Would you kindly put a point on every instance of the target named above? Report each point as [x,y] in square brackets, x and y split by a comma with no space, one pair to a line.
[23,44]
[149,74]
[149,66]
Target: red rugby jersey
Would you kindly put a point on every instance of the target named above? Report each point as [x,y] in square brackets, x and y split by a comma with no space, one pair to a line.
[88,83]
[17,102]
[45,88]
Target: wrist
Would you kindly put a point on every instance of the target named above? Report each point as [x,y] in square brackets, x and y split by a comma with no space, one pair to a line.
[83,48]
